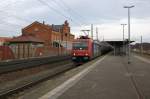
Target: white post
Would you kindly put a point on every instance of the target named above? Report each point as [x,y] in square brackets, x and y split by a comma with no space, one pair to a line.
[141,46]
[129,35]
[129,50]
[96,33]
[92,31]
[123,48]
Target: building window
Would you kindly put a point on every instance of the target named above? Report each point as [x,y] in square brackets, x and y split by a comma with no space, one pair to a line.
[66,34]
[55,44]
[36,29]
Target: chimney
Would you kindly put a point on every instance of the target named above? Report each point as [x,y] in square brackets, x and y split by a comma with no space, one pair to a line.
[43,22]
[52,25]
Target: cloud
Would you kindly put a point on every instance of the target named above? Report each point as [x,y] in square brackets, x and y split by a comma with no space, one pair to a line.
[106,14]
[113,30]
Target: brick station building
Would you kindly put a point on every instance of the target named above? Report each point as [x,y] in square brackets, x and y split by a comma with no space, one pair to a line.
[56,40]
[49,33]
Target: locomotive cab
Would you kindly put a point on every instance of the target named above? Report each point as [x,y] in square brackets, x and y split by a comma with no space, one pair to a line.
[85,49]
[81,50]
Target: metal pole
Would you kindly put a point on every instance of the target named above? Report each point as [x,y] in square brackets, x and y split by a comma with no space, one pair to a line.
[92,31]
[123,41]
[123,48]
[129,52]
[103,38]
[60,39]
[96,33]
[141,46]
[66,45]
[129,35]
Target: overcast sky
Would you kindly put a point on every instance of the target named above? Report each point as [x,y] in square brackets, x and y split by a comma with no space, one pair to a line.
[107,15]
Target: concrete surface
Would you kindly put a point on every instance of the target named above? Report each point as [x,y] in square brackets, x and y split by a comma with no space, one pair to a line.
[42,88]
[112,78]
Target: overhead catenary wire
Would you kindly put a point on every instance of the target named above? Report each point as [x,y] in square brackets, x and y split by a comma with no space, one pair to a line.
[73,10]
[11,24]
[66,8]
[21,19]
[7,30]
[6,15]
[70,11]
[41,1]
[10,3]
[3,22]
[58,12]
[12,15]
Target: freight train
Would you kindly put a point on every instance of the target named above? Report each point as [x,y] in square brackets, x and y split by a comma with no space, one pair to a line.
[85,49]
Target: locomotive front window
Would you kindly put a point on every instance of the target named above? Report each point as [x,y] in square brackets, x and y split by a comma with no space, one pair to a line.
[80,45]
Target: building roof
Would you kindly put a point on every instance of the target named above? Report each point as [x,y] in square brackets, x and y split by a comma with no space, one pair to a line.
[118,43]
[54,28]
[57,28]
[25,39]
[46,26]
[4,39]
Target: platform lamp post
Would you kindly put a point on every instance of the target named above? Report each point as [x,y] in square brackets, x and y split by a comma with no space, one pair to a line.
[123,49]
[92,31]
[129,52]
[141,46]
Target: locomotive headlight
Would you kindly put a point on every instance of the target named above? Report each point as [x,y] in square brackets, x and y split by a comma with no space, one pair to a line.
[86,54]
[74,54]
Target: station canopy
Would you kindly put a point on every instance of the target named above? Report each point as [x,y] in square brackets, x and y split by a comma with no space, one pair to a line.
[118,43]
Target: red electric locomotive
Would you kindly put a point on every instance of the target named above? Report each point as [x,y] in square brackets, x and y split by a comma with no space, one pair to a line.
[84,49]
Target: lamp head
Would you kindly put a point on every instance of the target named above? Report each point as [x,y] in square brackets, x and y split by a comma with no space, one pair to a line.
[129,6]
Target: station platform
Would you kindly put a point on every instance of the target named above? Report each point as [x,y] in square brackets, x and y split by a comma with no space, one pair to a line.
[111,77]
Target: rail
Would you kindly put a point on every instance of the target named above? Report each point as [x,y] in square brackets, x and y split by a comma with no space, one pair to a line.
[28,63]
[21,84]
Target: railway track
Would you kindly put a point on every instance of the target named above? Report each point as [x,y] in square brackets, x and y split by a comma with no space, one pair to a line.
[19,86]
[26,82]
[10,66]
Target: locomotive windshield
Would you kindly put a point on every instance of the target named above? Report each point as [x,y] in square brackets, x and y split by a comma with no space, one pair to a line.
[80,45]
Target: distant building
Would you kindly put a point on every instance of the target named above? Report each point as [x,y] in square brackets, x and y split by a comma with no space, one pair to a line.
[142,48]
[25,46]
[6,53]
[3,40]
[146,46]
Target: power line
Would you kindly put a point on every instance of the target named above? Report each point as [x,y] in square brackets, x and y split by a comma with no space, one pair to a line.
[57,11]
[12,15]
[10,3]
[68,10]
[53,9]
[7,23]
[6,30]
[3,22]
